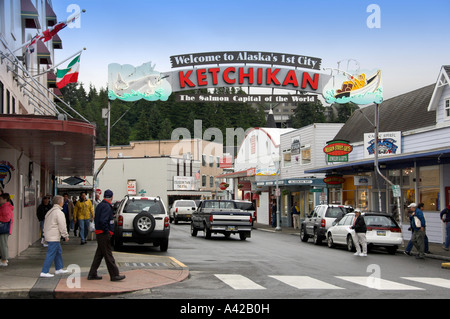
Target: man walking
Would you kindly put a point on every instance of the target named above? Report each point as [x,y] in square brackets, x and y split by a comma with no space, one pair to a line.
[418,225]
[296,216]
[83,213]
[445,217]
[104,227]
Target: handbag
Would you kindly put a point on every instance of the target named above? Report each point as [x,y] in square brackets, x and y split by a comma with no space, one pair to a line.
[417,222]
[5,227]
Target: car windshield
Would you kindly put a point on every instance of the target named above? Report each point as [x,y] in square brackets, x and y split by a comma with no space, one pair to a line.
[147,205]
[185,203]
[379,221]
[219,204]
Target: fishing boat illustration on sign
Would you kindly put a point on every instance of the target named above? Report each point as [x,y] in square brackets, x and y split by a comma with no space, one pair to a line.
[358,88]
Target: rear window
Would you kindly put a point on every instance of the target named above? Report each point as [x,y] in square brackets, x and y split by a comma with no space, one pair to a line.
[185,203]
[336,212]
[379,221]
[137,206]
[245,206]
[225,205]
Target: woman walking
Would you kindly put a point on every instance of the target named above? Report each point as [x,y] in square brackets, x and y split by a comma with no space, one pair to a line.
[6,217]
[54,229]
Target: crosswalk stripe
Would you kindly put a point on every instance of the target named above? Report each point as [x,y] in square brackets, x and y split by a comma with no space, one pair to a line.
[305,282]
[440,282]
[238,282]
[377,283]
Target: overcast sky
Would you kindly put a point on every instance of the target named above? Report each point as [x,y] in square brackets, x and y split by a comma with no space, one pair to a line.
[410,46]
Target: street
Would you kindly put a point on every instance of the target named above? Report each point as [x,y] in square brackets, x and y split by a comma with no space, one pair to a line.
[272,265]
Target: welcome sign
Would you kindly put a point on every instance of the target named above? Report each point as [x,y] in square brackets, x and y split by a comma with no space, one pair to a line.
[212,70]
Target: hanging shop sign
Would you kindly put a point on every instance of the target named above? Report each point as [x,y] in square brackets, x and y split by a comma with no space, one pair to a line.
[360,87]
[389,143]
[334,180]
[338,151]
[6,169]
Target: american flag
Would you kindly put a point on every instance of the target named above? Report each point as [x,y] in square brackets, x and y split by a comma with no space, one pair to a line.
[197,175]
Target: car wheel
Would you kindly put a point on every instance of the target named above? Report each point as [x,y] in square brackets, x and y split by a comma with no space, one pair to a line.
[164,244]
[144,223]
[193,230]
[350,244]
[303,236]
[316,238]
[330,240]
[242,236]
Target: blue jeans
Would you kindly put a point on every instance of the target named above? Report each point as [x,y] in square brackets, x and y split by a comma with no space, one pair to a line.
[447,236]
[54,253]
[84,228]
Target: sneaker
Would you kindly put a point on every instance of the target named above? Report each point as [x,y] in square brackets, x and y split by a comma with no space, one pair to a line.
[407,253]
[363,255]
[61,271]
[46,275]
[356,254]
[3,264]
[444,248]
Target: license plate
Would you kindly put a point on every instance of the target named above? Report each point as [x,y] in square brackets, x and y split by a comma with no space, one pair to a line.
[381,233]
[188,216]
[231,228]
[127,234]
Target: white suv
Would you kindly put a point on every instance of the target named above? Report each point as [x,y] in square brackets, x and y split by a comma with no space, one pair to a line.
[182,209]
[141,220]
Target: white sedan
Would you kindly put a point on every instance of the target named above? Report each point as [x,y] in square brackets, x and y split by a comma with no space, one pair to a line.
[382,230]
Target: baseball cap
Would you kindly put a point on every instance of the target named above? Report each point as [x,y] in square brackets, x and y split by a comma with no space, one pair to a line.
[412,205]
[108,194]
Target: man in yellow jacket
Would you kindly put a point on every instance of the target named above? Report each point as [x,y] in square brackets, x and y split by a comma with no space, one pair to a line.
[83,213]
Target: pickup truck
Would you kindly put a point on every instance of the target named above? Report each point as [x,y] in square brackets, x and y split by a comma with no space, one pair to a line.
[221,217]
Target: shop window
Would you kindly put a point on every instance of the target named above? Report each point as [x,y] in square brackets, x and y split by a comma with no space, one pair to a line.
[429,187]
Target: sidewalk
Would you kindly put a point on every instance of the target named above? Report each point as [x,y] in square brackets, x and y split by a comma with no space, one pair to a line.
[436,251]
[21,278]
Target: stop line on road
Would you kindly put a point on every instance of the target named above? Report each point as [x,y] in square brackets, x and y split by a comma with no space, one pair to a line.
[240,282]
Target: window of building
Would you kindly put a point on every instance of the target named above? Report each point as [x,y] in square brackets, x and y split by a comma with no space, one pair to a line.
[203,180]
[203,160]
[287,159]
[211,181]
[211,161]
[447,108]
[306,154]
[8,102]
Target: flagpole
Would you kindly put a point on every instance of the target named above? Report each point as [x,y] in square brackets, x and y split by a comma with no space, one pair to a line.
[55,66]
[67,22]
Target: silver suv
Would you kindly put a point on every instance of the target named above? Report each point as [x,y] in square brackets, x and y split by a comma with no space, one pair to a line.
[316,224]
[141,220]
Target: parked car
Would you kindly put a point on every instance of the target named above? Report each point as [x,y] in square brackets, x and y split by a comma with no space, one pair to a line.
[248,206]
[317,223]
[382,231]
[221,217]
[182,210]
[141,220]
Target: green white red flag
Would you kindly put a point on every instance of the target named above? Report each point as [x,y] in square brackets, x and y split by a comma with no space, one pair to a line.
[69,75]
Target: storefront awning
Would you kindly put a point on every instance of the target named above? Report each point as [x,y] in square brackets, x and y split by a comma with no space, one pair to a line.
[50,15]
[425,158]
[64,147]
[29,14]
[43,54]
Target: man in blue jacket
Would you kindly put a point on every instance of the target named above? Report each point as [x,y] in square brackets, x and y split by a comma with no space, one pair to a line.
[418,225]
[104,227]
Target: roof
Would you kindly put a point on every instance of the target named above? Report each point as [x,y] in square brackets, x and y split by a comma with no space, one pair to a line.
[405,112]
[442,81]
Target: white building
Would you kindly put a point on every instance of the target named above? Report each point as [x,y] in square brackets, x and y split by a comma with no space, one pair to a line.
[37,142]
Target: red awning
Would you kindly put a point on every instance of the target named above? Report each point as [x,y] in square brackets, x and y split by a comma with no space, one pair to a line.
[29,14]
[43,53]
[65,147]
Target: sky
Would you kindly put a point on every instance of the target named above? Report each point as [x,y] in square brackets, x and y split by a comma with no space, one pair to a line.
[410,43]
